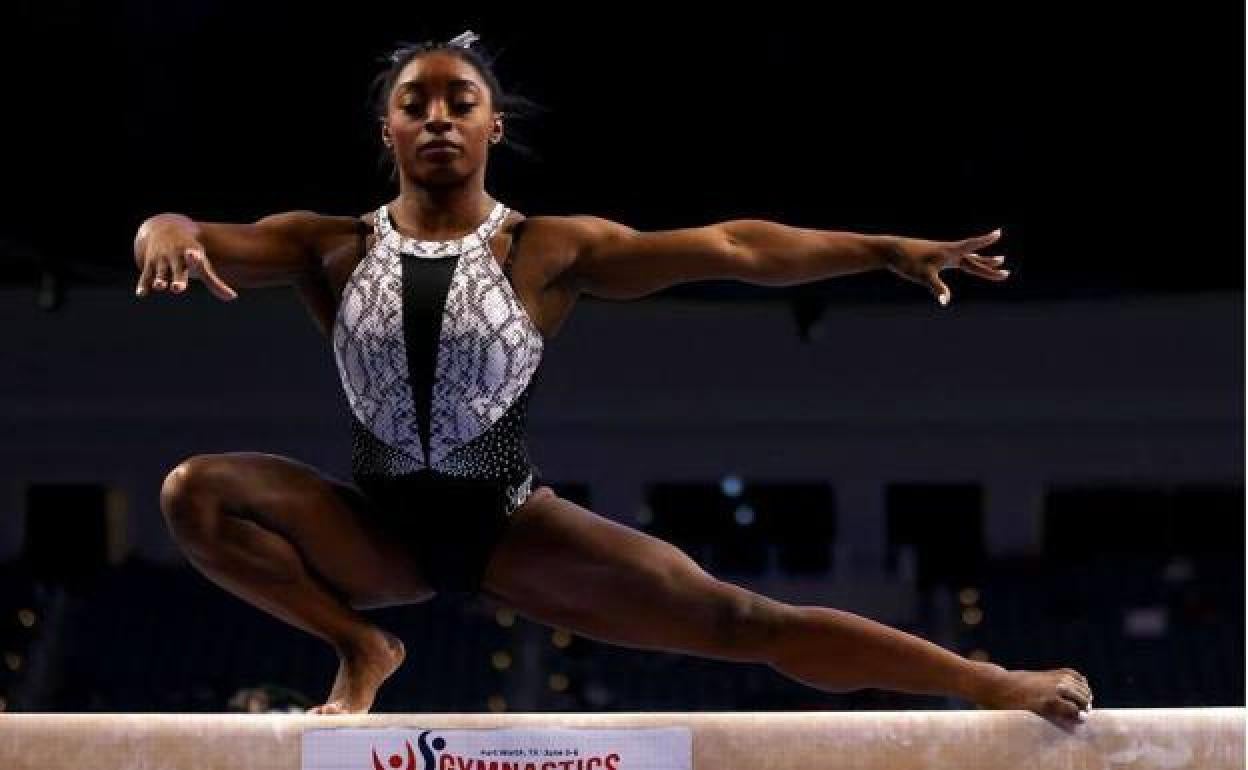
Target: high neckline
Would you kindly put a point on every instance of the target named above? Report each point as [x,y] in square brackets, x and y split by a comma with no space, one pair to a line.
[440,248]
[387,223]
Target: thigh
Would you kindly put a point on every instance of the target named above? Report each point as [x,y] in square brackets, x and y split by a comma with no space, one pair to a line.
[564,565]
[337,530]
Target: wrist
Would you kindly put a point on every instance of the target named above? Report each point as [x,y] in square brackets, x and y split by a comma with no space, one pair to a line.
[887,249]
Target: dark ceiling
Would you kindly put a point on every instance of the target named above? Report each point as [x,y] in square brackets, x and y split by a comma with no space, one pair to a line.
[1110,149]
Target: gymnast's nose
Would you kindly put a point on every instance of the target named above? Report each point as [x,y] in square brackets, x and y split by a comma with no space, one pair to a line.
[439,120]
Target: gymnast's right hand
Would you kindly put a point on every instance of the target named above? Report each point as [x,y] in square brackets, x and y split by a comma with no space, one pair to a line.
[168,253]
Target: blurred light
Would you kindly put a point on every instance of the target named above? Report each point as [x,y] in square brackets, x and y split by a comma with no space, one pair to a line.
[979,655]
[13,660]
[731,486]
[972,615]
[561,638]
[26,617]
[501,660]
[505,617]
[597,694]
[1179,570]
[4,704]
[644,515]
[907,563]
[50,292]
[497,703]
[744,515]
[969,596]
[558,682]
[1146,622]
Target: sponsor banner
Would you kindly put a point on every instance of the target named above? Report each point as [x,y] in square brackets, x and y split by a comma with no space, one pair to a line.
[666,748]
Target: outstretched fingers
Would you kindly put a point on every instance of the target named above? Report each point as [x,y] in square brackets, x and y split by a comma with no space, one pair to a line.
[988,268]
[937,286]
[180,271]
[172,268]
[145,278]
[979,242]
[160,276]
[203,269]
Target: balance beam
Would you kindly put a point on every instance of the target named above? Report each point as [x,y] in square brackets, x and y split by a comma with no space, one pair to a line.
[1111,739]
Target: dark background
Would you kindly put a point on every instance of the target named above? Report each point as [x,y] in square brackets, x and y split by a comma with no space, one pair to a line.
[1110,143]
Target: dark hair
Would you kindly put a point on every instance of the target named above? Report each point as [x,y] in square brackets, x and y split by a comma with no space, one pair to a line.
[513,106]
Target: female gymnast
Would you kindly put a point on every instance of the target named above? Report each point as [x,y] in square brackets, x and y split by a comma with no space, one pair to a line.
[438,305]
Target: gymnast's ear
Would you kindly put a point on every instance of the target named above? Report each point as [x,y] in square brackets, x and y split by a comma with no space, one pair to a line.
[496,131]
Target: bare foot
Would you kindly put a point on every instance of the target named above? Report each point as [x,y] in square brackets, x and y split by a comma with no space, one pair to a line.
[1061,696]
[360,673]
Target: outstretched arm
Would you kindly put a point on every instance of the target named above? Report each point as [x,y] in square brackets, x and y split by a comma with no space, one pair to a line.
[617,262]
[282,249]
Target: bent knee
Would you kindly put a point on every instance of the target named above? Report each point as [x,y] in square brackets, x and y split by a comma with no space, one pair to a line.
[190,496]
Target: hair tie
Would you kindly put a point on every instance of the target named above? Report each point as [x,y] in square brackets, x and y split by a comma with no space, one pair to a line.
[464,40]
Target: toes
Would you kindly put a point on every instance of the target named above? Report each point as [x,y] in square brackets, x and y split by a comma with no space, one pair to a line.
[1074,694]
[1076,682]
[1081,689]
[1064,714]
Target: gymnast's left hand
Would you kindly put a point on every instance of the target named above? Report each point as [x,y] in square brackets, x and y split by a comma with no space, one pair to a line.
[921,261]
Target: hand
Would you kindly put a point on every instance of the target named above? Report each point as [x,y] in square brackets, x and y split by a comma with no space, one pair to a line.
[167,255]
[921,261]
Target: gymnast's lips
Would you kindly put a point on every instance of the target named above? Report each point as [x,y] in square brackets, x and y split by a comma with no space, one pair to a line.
[439,145]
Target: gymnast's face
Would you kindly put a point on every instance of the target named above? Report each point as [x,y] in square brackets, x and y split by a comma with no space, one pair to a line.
[440,120]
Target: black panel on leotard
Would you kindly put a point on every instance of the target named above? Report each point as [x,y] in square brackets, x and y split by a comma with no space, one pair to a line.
[425,283]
